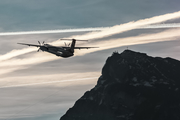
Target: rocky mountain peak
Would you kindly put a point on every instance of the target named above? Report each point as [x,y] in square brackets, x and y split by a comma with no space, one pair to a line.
[135,67]
[133,86]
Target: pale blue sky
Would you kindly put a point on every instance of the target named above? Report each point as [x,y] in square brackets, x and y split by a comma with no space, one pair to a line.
[19,15]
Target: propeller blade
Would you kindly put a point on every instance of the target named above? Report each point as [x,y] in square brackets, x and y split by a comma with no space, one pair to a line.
[65,44]
[69,44]
[43,42]
[38,50]
[39,43]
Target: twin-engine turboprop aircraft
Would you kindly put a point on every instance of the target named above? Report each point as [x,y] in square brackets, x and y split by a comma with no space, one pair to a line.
[66,51]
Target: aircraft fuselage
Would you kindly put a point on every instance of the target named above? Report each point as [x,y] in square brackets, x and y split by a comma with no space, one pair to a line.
[58,51]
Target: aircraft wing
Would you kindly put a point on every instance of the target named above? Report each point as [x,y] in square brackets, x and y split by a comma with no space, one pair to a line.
[29,44]
[84,47]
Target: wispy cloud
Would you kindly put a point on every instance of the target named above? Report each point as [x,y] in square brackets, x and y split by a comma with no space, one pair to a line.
[7,69]
[129,26]
[15,53]
[166,35]
[107,44]
[33,59]
[54,31]
[104,33]
[170,25]
[50,82]
[53,79]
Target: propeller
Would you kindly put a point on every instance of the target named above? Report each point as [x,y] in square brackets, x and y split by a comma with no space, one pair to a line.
[65,44]
[39,43]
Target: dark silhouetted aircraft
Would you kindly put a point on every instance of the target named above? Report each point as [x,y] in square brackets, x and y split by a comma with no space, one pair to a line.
[66,51]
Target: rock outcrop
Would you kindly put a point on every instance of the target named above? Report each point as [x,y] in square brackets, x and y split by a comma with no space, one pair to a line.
[133,86]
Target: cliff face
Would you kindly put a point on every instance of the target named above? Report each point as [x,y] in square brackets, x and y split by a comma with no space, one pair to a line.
[133,86]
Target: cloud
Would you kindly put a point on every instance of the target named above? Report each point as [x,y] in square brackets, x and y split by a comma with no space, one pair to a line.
[50,82]
[166,35]
[15,53]
[107,44]
[51,79]
[36,100]
[53,31]
[5,70]
[33,59]
[129,26]
[170,25]
[106,32]
[42,94]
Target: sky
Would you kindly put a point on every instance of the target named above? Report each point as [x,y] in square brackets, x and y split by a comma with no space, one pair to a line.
[41,86]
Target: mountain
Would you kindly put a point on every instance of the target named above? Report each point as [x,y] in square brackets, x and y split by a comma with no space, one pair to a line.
[133,86]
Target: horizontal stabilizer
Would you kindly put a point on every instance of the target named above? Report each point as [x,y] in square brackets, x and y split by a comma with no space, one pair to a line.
[84,47]
[73,39]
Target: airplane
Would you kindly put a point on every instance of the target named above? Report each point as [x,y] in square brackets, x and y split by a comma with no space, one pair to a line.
[66,51]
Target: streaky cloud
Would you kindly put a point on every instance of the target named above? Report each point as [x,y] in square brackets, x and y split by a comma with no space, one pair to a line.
[166,35]
[105,44]
[53,31]
[41,83]
[170,25]
[128,26]
[112,30]
[15,53]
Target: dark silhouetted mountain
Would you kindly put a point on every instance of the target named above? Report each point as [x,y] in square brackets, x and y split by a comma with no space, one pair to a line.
[133,86]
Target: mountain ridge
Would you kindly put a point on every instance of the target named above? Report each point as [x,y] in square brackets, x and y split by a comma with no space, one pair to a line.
[133,86]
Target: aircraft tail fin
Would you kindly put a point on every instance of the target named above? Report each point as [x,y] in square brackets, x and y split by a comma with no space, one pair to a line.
[73,43]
